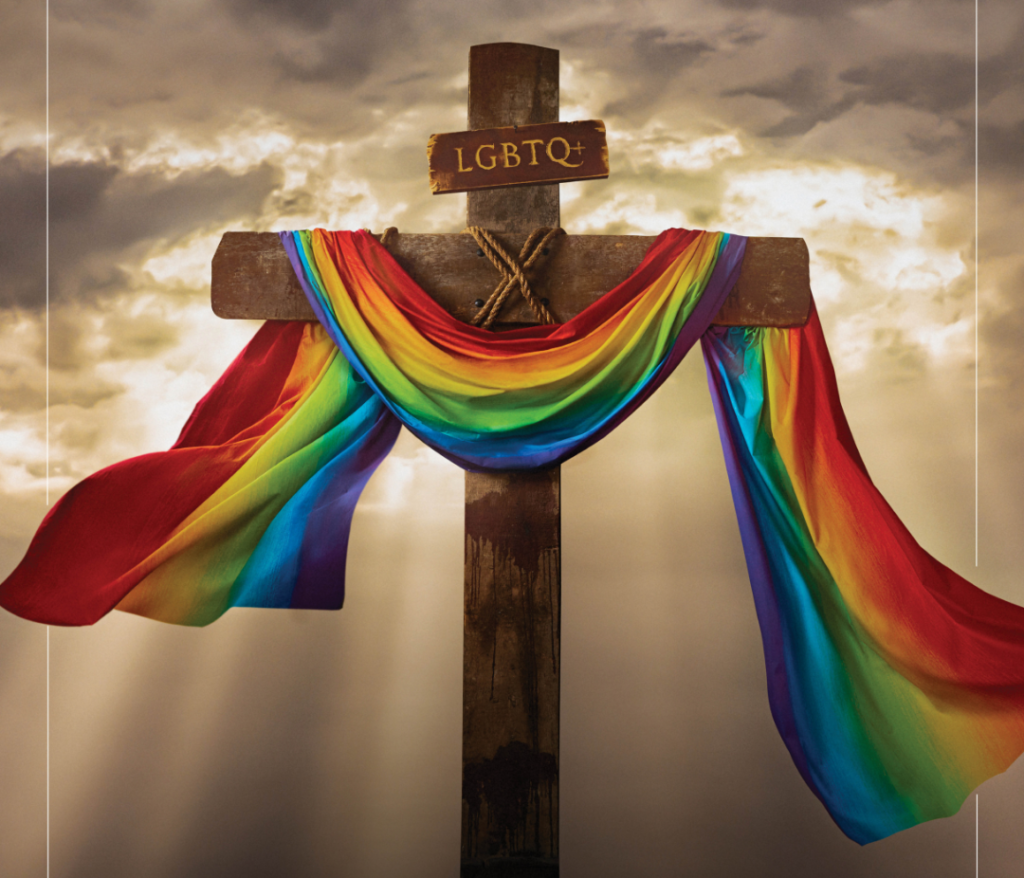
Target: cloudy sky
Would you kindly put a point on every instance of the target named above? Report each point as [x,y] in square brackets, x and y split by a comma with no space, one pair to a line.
[279,743]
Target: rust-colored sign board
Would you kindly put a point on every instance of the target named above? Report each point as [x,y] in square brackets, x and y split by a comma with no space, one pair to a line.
[524,155]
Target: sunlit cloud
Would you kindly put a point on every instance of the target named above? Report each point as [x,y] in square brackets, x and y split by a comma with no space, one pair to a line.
[804,198]
[626,213]
[668,150]
[22,455]
[320,184]
[20,134]
[944,341]
[701,154]
[187,263]
[143,401]
[236,151]
[583,88]
[78,149]
[413,475]
[916,268]
[887,257]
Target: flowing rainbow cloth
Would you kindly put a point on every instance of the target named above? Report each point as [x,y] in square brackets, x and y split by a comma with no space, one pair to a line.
[897,685]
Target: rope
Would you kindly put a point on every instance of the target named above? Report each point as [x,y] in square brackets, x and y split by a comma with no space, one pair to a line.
[513,272]
[388,236]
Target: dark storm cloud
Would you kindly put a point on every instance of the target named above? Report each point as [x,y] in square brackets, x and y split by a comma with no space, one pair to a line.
[652,49]
[938,83]
[310,15]
[337,42]
[1001,146]
[124,69]
[98,211]
[941,83]
[1002,335]
[1001,150]
[657,49]
[22,227]
[806,8]
[746,37]
[325,65]
[805,92]
[803,89]
[111,13]
[23,60]
[652,58]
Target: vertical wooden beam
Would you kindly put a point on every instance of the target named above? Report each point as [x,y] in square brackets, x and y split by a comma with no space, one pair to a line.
[513,84]
[510,675]
[513,556]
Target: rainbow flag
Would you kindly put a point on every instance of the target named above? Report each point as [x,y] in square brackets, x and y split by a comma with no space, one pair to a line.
[250,507]
[896,685]
[523,399]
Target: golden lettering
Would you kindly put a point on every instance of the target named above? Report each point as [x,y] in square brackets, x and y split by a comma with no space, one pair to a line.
[494,159]
[510,152]
[533,150]
[462,170]
[568,151]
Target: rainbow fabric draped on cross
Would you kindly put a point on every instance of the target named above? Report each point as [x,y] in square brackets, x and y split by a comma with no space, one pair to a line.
[896,685]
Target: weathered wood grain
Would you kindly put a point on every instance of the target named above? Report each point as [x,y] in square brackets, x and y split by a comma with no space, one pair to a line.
[512,84]
[511,667]
[513,583]
[253,278]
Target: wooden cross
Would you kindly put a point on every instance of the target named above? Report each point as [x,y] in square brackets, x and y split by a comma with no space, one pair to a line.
[513,524]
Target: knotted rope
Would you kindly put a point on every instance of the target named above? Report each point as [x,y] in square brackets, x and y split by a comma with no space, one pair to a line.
[513,270]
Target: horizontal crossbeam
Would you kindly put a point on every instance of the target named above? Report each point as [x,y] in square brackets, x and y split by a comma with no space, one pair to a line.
[253,279]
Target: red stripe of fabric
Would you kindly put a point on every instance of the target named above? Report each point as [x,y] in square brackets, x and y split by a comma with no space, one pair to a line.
[440,327]
[74,570]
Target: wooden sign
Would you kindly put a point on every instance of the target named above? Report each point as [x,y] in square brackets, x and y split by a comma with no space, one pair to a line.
[522,155]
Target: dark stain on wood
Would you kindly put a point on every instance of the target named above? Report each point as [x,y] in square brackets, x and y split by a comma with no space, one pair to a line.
[495,514]
[515,787]
[511,664]
[513,867]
